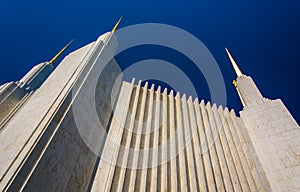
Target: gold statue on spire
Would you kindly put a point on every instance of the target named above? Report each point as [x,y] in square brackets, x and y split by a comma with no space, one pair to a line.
[116,26]
[60,53]
[235,66]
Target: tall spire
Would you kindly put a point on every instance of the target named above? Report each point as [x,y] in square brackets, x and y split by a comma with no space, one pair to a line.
[235,66]
[60,53]
[116,26]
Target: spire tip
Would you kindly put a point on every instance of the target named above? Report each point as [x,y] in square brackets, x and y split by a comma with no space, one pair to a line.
[52,61]
[234,64]
[117,24]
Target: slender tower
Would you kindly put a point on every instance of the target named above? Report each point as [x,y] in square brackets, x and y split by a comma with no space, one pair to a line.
[274,133]
[14,94]
[39,73]
[42,148]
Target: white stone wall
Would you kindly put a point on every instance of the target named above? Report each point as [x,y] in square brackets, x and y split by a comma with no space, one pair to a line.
[248,91]
[275,136]
[161,142]
[41,148]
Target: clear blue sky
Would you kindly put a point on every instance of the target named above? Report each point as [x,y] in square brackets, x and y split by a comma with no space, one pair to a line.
[262,35]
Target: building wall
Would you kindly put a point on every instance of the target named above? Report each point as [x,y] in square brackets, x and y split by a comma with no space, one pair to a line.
[163,142]
[275,136]
[41,147]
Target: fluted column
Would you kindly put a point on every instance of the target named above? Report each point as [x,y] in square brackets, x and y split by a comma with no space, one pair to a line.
[106,167]
[136,145]
[182,177]
[241,152]
[164,146]
[227,151]
[146,148]
[202,186]
[173,132]
[125,144]
[235,155]
[211,185]
[211,148]
[192,180]
[156,120]
[216,126]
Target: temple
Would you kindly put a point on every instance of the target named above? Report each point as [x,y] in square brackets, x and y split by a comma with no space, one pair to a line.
[80,127]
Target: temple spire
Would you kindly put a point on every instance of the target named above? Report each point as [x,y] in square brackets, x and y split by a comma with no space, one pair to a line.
[116,26]
[235,66]
[60,53]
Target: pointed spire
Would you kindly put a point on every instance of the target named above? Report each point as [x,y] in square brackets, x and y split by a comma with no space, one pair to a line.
[52,61]
[116,26]
[235,66]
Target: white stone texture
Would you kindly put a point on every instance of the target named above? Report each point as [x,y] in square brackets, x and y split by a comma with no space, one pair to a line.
[248,92]
[63,161]
[275,136]
[212,148]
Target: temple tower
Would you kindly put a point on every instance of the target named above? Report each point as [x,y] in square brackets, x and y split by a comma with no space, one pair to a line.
[274,133]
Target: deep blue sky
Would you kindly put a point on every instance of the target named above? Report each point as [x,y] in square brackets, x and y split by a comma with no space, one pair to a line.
[263,36]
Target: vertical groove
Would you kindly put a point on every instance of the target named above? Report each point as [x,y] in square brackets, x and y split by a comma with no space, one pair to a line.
[136,144]
[145,149]
[117,125]
[172,184]
[182,167]
[140,165]
[216,130]
[164,145]
[111,149]
[126,140]
[212,148]
[235,155]
[159,165]
[151,144]
[204,147]
[118,181]
[227,152]
[174,144]
[188,146]
[241,153]
[155,142]
[131,148]
[202,183]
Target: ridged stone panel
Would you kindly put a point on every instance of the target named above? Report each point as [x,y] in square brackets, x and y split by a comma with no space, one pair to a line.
[174,143]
